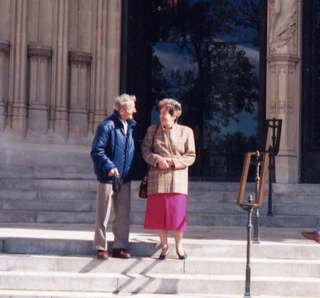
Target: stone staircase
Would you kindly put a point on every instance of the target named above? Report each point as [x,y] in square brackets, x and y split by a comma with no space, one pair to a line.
[46,232]
[73,201]
[55,260]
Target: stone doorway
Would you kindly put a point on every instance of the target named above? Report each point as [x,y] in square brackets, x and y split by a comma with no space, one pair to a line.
[211,56]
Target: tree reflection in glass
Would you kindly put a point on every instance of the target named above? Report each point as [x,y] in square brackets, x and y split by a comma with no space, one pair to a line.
[206,54]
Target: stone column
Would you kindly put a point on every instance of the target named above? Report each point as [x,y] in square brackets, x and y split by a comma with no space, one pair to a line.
[113,52]
[107,59]
[79,93]
[4,54]
[283,82]
[39,89]
[100,63]
[60,71]
[18,67]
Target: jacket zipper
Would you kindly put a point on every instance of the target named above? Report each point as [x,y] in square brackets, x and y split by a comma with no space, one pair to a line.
[125,152]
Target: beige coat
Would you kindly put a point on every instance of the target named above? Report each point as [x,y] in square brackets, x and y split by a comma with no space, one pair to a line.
[173,180]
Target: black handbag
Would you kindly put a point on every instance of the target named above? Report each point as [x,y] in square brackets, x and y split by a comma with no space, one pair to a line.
[143,188]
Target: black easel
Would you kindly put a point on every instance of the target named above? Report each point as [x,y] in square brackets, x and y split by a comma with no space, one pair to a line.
[272,143]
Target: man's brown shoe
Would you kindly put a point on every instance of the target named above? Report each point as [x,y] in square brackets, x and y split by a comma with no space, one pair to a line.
[121,253]
[102,255]
[312,236]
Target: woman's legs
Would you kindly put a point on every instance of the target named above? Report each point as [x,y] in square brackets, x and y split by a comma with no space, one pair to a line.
[164,244]
[163,235]
[178,236]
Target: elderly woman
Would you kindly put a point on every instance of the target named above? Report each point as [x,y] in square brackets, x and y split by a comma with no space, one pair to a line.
[169,149]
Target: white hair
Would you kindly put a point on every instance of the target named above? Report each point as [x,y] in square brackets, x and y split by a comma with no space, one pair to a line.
[123,100]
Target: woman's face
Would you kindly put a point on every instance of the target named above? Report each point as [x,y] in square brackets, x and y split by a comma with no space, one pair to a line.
[166,118]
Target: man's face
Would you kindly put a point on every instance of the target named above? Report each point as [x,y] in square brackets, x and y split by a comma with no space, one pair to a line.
[127,113]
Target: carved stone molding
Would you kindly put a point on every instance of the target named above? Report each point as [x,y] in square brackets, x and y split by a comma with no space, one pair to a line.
[80,56]
[4,46]
[282,107]
[283,26]
[39,51]
[283,68]
[283,58]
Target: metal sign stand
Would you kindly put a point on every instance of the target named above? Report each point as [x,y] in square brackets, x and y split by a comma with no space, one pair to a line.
[252,206]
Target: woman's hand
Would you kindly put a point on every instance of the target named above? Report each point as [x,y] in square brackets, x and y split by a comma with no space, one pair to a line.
[163,164]
[169,161]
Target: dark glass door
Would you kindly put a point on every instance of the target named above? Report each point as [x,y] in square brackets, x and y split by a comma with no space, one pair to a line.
[310,161]
[209,55]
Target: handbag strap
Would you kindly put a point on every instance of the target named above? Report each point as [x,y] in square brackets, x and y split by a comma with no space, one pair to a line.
[153,137]
[154,134]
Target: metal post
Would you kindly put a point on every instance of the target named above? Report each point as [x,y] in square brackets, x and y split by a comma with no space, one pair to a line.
[256,213]
[270,208]
[255,220]
[247,293]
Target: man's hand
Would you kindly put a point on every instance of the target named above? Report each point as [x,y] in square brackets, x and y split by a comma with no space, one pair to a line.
[163,164]
[114,172]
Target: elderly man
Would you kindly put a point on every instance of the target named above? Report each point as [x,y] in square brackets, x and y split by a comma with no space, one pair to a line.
[112,155]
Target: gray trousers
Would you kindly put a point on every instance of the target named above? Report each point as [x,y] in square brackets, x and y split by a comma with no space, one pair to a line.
[120,202]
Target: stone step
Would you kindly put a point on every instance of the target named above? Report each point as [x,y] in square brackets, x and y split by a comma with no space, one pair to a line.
[73,201]
[48,184]
[206,198]
[192,265]
[203,196]
[158,283]
[301,188]
[283,264]
[44,205]
[68,294]
[137,218]
[89,205]
[204,241]
[297,209]
[90,185]
[194,206]
[284,199]
[47,195]
[145,249]
[202,218]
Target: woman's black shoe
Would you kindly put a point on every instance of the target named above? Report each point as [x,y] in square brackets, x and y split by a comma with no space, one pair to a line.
[164,253]
[182,257]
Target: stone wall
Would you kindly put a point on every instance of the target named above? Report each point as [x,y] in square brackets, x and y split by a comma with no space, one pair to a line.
[59,71]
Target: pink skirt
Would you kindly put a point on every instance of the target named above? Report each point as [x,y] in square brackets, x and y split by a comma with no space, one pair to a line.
[166,211]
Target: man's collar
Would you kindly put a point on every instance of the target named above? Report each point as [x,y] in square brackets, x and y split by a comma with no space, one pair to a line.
[116,117]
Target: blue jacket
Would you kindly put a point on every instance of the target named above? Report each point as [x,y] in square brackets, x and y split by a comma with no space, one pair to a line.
[111,148]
